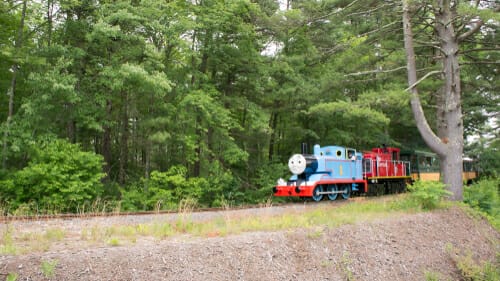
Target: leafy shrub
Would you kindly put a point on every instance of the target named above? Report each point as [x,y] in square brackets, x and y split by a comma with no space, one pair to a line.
[264,180]
[165,190]
[484,196]
[133,199]
[427,194]
[170,187]
[157,192]
[59,177]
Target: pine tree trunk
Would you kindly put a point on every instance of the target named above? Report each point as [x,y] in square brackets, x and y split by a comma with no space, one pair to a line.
[273,123]
[12,89]
[50,11]
[452,109]
[197,150]
[106,143]
[449,144]
[122,173]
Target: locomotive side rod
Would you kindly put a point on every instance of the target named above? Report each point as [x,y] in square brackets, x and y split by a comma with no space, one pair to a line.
[331,192]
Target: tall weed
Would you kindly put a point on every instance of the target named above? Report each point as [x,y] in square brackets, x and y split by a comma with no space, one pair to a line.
[48,267]
[7,246]
[471,269]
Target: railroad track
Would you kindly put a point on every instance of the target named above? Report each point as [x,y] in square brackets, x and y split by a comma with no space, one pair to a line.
[89,215]
[67,216]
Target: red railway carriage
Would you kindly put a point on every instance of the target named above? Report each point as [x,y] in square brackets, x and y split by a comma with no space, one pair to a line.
[384,170]
[384,162]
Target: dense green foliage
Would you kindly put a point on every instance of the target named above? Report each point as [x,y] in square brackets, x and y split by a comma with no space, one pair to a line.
[488,154]
[485,197]
[207,99]
[58,177]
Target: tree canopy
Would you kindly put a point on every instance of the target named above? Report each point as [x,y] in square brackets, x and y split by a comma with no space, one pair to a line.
[212,96]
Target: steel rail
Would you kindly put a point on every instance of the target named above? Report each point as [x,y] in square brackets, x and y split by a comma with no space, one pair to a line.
[69,216]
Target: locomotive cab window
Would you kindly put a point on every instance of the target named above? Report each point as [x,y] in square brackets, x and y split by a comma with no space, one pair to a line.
[351,154]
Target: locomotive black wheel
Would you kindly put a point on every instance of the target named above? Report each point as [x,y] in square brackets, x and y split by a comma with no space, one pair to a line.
[399,187]
[316,196]
[347,191]
[334,188]
[388,188]
[380,189]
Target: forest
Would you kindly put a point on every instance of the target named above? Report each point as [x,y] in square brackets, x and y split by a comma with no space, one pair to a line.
[141,104]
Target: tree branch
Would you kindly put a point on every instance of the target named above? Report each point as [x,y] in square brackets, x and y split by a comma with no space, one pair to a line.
[369,11]
[480,62]
[479,50]
[423,126]
[473,30]
[335,12]
[379,29]
[375,71]
[422,79]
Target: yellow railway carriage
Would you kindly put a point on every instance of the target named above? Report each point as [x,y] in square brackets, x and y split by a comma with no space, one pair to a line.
[425,166]
[471,171]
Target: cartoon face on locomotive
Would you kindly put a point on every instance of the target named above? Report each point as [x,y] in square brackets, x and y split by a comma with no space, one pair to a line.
[330,171]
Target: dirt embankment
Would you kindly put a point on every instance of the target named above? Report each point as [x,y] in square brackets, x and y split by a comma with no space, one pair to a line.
[402,248]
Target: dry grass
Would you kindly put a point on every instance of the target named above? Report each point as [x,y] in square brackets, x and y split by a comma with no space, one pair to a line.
[7,246]
[12,242]
[328,216]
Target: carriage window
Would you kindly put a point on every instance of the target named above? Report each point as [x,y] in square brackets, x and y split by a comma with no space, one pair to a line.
[395,156]
[339,153]
[468,166]
[367,165]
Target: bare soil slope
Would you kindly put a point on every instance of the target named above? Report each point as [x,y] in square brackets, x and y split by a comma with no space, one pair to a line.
[403,248]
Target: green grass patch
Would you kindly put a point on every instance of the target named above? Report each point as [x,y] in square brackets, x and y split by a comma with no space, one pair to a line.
[54,234]
[432,276]
[113,241]
[48,268]
[12,276]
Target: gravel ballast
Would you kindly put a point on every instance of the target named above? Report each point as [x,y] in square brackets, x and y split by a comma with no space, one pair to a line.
[397,248]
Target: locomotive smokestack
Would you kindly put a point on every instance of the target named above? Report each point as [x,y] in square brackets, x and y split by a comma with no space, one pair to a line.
[303,149]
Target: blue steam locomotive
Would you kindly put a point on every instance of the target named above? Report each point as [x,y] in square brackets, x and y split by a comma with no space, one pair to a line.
[334,170]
